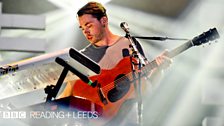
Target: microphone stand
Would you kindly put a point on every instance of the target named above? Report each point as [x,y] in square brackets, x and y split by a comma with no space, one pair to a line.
[159,38]
[141,63]
[52,90]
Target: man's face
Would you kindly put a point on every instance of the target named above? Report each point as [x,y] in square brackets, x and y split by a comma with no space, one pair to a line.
[92,28]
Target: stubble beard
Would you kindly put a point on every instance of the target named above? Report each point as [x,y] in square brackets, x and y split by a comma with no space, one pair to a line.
[97,38]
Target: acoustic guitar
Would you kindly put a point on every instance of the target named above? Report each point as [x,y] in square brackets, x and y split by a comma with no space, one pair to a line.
[116,85]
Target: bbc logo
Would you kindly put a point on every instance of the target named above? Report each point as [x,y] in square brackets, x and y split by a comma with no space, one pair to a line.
[12,114]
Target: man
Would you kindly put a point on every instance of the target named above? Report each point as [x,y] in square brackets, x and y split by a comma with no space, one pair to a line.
[105,48]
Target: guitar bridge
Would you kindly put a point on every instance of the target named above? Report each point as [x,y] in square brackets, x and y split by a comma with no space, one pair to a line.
[101,95]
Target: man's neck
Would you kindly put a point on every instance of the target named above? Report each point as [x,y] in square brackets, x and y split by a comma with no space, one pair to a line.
[108,39]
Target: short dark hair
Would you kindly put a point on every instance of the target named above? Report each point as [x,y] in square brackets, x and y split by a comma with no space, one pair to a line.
[96,9]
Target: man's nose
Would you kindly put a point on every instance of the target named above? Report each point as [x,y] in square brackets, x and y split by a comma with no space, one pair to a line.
[86,31]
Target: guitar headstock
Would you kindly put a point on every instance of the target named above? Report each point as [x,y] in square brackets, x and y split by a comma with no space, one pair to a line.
[205,37]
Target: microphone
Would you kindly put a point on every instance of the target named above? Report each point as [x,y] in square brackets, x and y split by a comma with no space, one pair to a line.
[124,26]
[84,60]
[83,77]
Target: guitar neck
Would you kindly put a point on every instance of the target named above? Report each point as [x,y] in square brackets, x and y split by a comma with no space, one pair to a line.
[205,37]
[180,49]
[171,54]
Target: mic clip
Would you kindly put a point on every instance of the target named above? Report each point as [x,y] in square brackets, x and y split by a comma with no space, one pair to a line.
[133,46]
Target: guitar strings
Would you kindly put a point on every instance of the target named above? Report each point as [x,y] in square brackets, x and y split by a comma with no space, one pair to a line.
[129,75]
[111,85]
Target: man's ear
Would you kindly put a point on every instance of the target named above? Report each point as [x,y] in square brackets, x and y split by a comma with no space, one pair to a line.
[104,20]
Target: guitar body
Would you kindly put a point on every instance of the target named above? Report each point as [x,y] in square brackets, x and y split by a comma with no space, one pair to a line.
[115,87]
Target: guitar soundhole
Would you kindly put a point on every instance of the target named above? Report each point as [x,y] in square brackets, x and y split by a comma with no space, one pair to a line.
[121,87]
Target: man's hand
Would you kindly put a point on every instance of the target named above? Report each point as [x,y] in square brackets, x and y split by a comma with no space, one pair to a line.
[163,61]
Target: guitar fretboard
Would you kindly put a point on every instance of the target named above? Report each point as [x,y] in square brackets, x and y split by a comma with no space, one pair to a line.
[171,54]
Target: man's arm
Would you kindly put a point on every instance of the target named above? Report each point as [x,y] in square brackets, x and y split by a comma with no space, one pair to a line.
[163,62]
